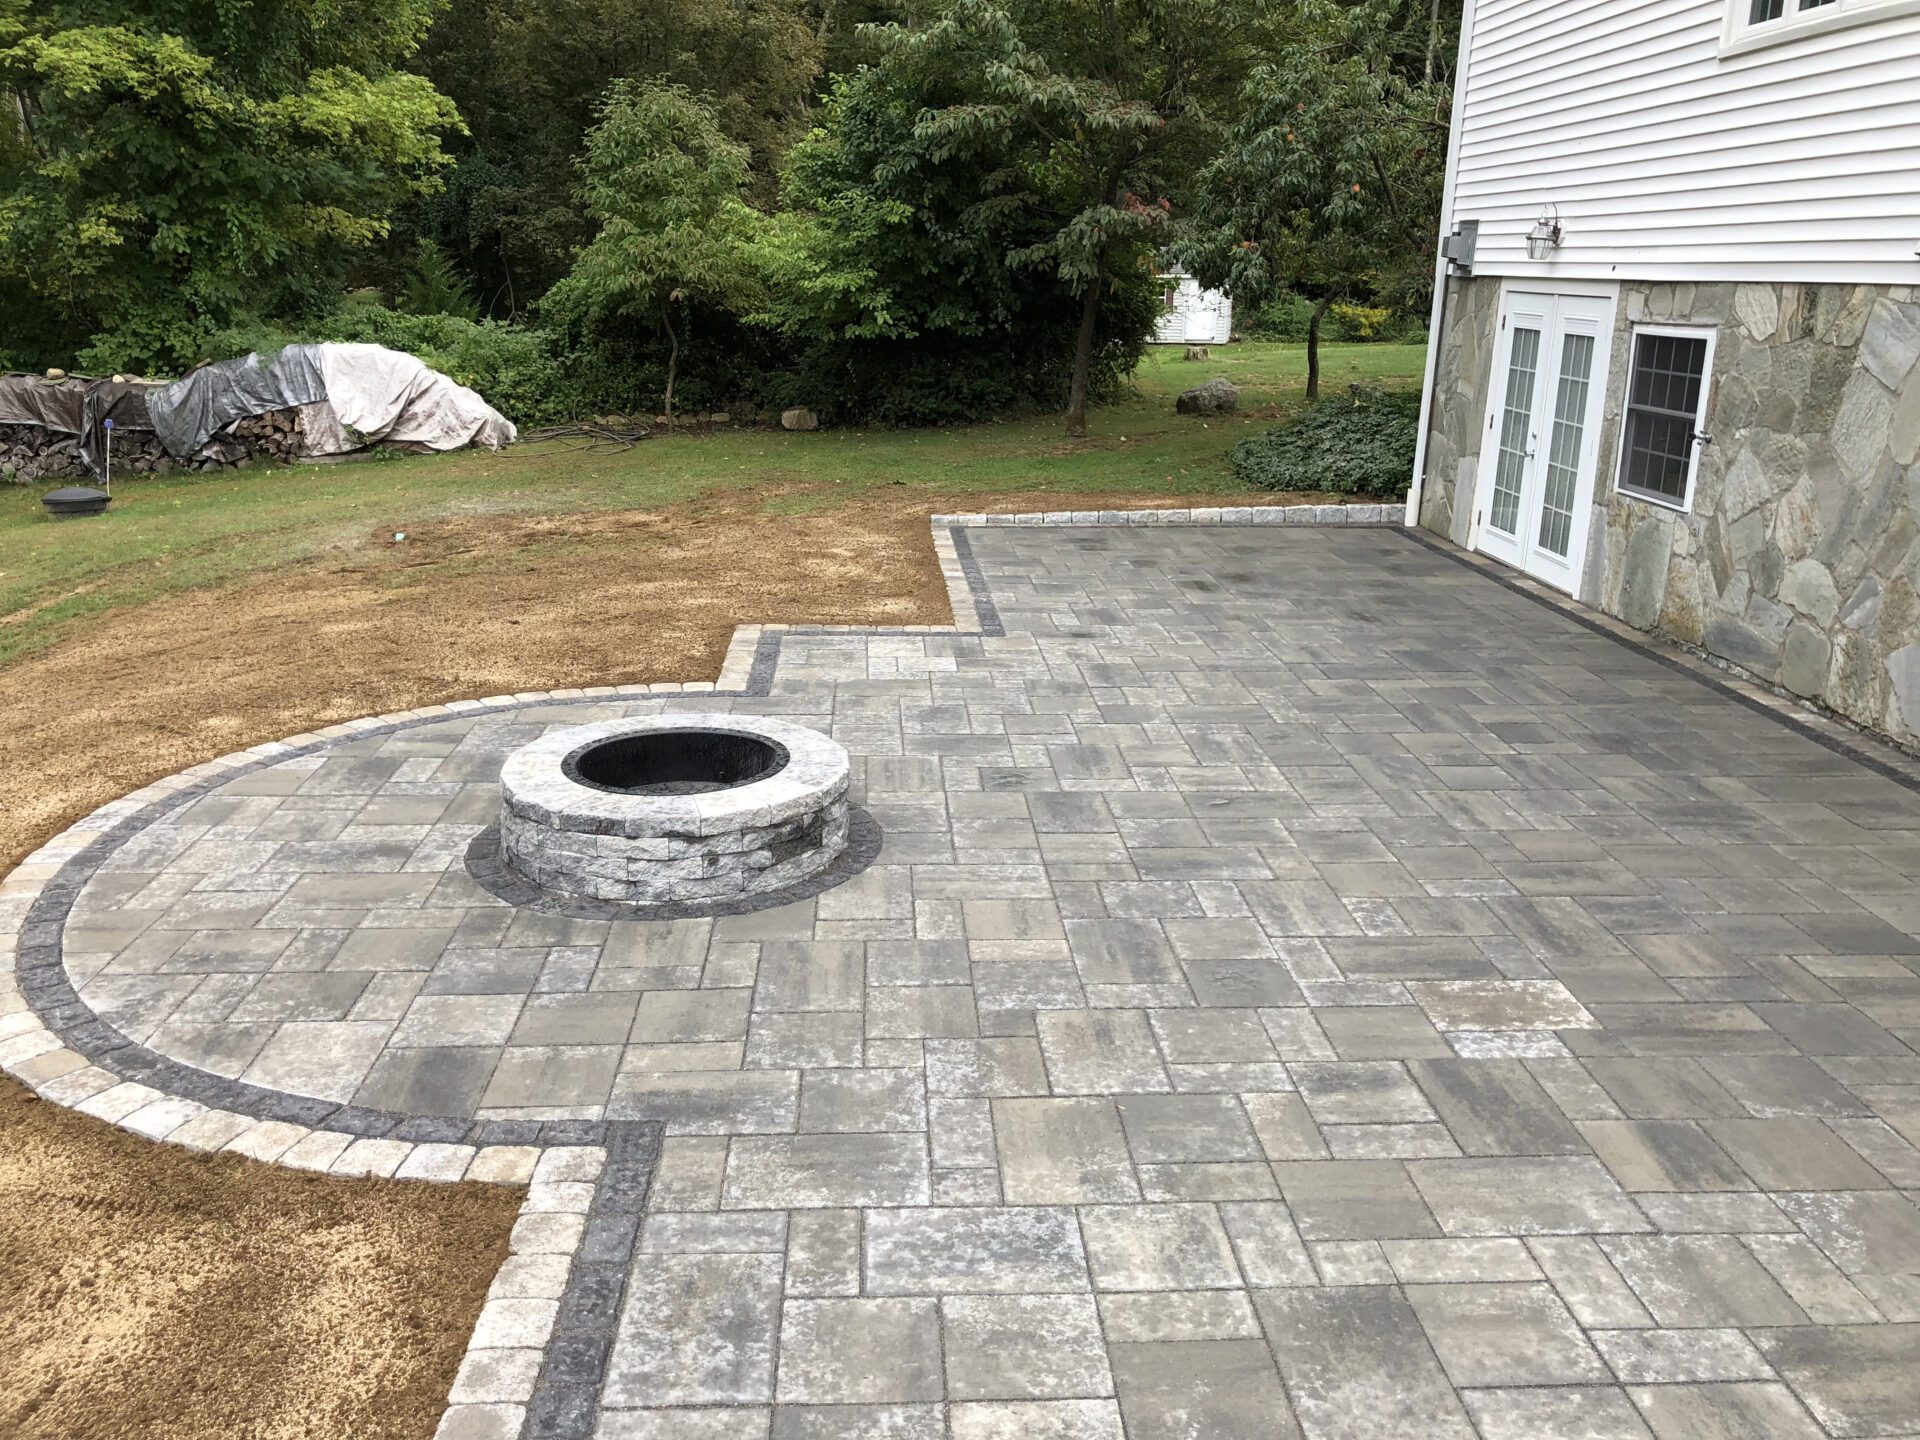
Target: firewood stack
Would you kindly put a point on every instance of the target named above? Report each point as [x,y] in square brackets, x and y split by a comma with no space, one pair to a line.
[31,455]
[273,436]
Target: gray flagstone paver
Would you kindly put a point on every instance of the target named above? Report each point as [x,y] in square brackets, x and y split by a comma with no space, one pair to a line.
[1306,988]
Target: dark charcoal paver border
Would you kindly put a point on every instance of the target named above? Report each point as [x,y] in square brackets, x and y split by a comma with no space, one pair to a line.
[1839,744]
[490,871]
[766,660]
[984,609]
[47,989]
[566,1397]
[41,972]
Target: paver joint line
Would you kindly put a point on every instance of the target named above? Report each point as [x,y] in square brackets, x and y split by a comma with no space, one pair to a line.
[1301,984]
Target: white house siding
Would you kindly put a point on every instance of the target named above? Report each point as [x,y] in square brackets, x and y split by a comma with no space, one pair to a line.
[1769,195]
[1668,160]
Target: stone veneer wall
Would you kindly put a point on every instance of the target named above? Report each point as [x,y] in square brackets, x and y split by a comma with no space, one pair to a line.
[1460,399]
[1799,559]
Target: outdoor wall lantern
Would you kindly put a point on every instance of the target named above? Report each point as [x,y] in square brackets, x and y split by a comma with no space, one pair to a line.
[1545,236]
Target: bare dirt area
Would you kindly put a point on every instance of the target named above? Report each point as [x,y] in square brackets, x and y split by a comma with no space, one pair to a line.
[148,1292]
[461,608]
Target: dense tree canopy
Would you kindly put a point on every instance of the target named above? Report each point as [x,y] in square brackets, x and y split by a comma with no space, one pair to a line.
[175,165]
[896,210]
[530,79]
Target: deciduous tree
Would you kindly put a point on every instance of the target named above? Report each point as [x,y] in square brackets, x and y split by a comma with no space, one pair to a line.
[1328,183]
[666,188]
[917,270]
[1097,100]
[177,165]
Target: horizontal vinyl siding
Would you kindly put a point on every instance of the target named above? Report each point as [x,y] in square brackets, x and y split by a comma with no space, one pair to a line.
[1667,161]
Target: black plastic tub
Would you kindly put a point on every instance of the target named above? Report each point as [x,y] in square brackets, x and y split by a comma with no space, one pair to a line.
[70,502]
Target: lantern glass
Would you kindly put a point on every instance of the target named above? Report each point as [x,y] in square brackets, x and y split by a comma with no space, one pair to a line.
[1544,238]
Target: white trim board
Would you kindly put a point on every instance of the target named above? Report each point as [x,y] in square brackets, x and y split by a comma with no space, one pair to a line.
[1595,315]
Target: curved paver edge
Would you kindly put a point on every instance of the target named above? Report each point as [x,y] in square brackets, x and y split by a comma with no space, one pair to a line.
[40,1056]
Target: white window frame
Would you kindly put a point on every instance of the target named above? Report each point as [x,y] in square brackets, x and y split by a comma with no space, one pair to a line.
[1684,505]
[1740,34]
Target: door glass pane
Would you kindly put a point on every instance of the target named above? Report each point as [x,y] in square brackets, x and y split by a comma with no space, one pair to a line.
[1563,451]
[1515,426]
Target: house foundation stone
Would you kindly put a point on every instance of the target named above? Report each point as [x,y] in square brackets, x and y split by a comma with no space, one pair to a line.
[1798,558]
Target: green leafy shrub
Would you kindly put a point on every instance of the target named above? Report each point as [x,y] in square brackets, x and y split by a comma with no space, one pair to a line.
[1358,444]
[1022,365]
[512,368]
[616,362]
[1286,319]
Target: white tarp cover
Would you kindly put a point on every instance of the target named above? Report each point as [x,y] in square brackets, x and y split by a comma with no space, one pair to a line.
[378,394]
[350,396]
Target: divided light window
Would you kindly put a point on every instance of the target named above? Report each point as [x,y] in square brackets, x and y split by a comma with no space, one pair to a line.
[1762,21]
[1666,404]
[1761,11]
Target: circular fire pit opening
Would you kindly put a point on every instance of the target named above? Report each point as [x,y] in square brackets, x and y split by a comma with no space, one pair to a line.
[675,762]
[674,809]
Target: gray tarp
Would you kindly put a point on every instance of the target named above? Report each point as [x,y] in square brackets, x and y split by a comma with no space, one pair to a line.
[50,404]
[188,412]
[122,401]
[76,406]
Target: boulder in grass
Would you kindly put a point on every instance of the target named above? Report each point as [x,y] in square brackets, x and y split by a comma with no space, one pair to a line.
[799,418]
[1216,397]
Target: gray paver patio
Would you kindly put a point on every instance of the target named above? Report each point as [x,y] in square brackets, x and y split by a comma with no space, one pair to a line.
[1307,988]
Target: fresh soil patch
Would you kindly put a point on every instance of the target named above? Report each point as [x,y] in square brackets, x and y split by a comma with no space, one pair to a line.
[148,1292]
[467,607]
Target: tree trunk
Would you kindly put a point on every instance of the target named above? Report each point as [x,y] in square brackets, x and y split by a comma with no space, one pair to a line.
[1082,363]
[1433,38]
[1313,347]
[673,356]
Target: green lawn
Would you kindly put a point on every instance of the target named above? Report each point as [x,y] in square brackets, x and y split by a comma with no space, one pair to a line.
[170,534]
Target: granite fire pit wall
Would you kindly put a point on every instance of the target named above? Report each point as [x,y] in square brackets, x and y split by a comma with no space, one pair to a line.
[1799,559]
[575,838]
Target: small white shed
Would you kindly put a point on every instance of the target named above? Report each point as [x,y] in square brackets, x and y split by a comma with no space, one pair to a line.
[1190,315]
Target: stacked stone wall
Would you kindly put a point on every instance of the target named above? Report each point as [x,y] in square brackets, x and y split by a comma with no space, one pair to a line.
[1798,559]
[1460,405]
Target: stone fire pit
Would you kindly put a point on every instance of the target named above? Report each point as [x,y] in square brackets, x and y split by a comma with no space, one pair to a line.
[674,809]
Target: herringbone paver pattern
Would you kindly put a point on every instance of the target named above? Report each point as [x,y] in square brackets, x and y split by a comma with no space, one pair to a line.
[1307,989]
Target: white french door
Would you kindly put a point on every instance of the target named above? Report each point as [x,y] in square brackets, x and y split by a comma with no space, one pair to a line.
[1543,432]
